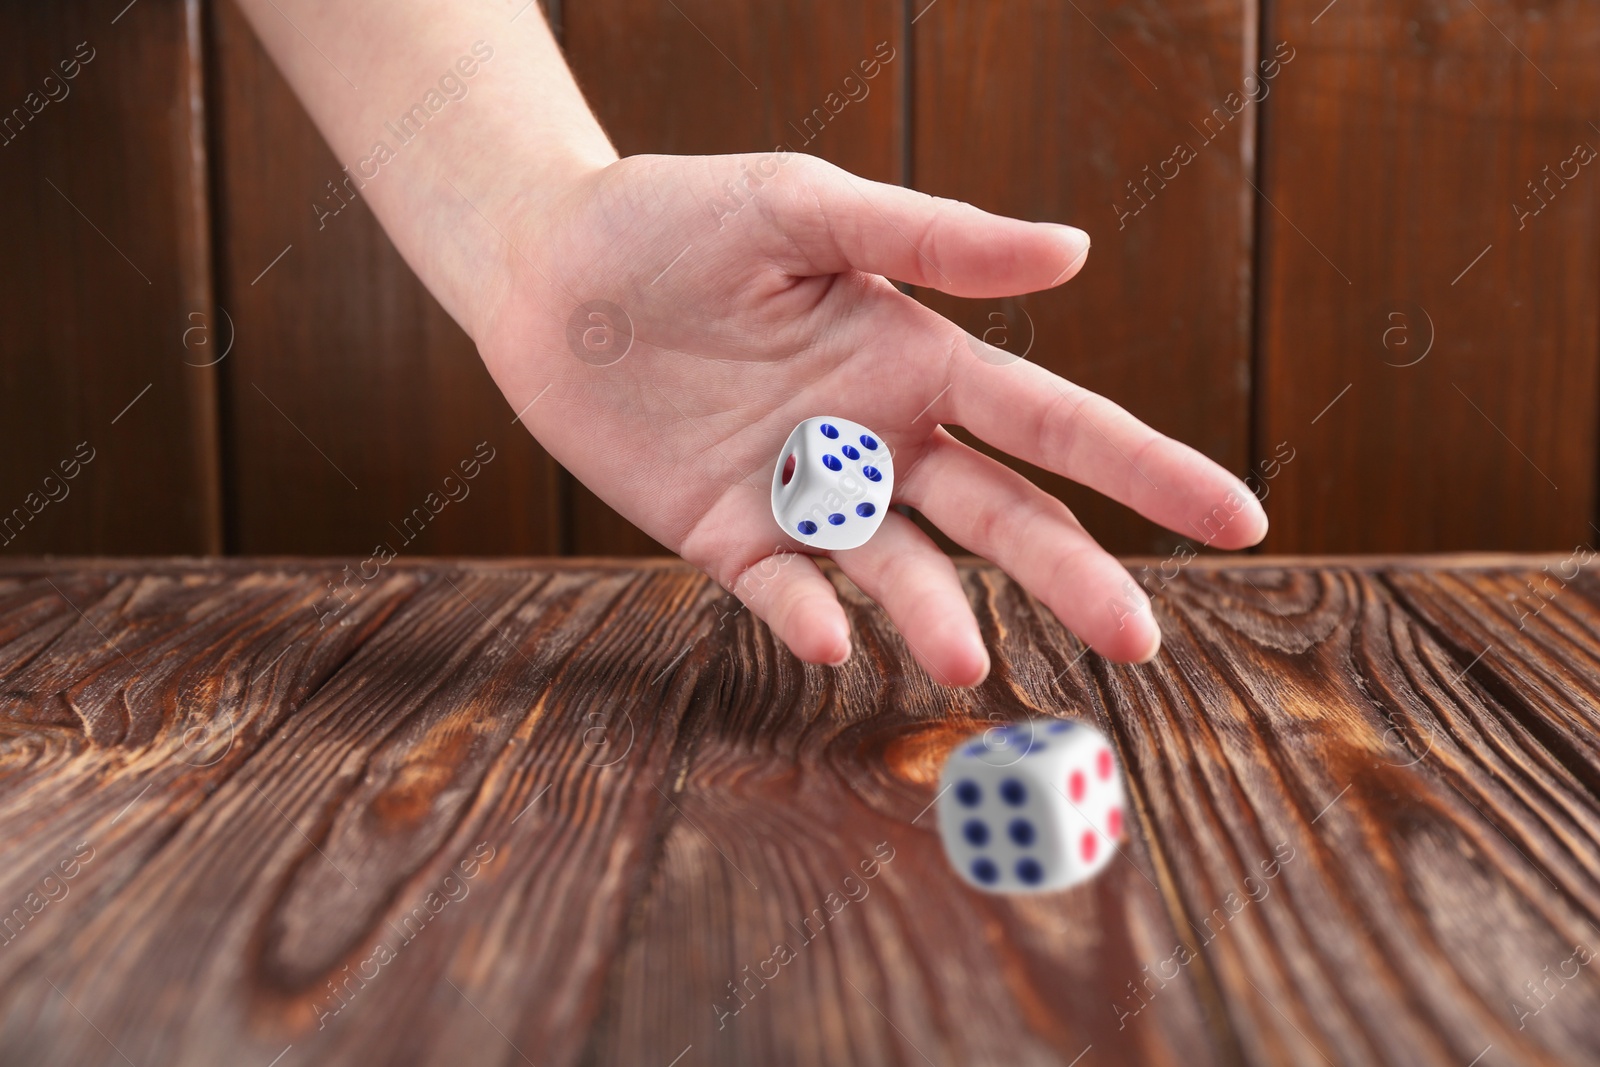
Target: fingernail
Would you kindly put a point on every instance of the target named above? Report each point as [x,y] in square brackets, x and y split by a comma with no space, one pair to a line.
[986,665]
[1260,512]
[1077,242]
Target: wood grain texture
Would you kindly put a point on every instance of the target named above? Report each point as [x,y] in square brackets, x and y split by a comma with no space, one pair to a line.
[566,812]
[1101,115]
[1398,148]
[716,76]
[798,778]
[105,282]
[350,395]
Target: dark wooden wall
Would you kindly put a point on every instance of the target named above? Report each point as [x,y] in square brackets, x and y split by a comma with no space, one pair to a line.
[105,254]
[1321,232]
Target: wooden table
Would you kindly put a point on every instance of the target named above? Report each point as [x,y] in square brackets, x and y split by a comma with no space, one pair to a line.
[577,812]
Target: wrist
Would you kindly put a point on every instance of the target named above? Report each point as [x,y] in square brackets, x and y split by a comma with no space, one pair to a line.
[499,137]
[492,202]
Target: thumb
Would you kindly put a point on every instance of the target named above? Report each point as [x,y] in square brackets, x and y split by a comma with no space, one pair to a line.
[835,221]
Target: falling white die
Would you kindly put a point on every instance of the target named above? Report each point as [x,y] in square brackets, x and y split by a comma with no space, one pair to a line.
[1031,807]
[832,483]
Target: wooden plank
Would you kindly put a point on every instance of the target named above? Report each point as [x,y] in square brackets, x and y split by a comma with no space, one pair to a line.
[130,696]
[1443,829]
[662,86]
[1365,801]
[1073,113]
[513,737]
[803,910]
[107,422]
[1399,151]
[351,396]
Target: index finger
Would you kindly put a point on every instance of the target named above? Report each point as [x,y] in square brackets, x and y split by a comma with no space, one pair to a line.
[1052,423]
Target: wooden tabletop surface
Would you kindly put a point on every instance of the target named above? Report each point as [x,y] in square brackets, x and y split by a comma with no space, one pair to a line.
[586,813]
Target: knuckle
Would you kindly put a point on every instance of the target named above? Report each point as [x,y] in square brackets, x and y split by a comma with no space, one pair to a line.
[800,178]
[1059,427]
[803,166]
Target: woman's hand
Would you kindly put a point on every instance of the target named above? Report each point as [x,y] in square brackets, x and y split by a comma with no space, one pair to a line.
[744,294]
[663,322]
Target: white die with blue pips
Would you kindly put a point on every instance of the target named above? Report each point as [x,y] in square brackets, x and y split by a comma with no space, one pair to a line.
[832,484]
[1031,807]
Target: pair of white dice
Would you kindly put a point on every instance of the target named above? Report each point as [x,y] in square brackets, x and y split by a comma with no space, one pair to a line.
[1031,807]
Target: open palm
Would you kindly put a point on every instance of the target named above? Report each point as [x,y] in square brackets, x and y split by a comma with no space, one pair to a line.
[668,321]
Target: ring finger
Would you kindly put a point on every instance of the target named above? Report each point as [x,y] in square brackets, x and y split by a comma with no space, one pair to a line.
[992,510]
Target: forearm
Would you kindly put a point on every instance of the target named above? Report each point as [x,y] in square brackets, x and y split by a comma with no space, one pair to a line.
[444,140]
